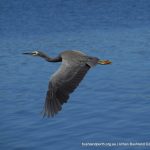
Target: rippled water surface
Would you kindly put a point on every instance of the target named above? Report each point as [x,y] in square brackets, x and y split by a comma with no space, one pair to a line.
[112,103]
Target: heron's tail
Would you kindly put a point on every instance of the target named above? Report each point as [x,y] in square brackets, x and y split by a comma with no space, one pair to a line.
[92,61]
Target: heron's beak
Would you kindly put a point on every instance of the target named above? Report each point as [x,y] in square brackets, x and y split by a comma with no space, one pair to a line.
[104,62]
[28,53]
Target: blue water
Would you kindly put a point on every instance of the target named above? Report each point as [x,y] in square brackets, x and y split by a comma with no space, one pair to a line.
[112,104]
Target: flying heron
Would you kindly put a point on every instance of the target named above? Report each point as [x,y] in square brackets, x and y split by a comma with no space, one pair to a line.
[65,80]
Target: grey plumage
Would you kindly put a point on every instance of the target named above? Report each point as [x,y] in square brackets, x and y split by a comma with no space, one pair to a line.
[72,70]
[65,80]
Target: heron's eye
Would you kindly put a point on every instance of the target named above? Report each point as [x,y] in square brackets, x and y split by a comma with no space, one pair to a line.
[35,53]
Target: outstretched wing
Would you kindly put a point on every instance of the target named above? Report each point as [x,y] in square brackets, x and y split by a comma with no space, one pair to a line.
[62,83]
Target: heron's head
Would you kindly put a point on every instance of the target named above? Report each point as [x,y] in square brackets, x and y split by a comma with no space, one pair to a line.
[34,53]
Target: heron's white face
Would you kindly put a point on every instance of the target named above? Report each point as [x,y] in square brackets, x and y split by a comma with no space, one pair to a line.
[35,53]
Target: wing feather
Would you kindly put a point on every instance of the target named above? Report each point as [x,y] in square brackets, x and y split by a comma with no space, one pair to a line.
[63,82]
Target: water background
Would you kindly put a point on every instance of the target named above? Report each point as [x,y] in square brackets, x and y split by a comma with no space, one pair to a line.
[112,104]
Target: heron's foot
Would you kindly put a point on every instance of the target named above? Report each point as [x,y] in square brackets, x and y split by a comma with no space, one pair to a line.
[104,62]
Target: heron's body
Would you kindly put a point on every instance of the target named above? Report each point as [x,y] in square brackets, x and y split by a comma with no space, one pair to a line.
[75,65]
[72,62]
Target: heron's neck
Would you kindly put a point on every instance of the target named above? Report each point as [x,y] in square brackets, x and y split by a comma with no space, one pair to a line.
[50,59]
